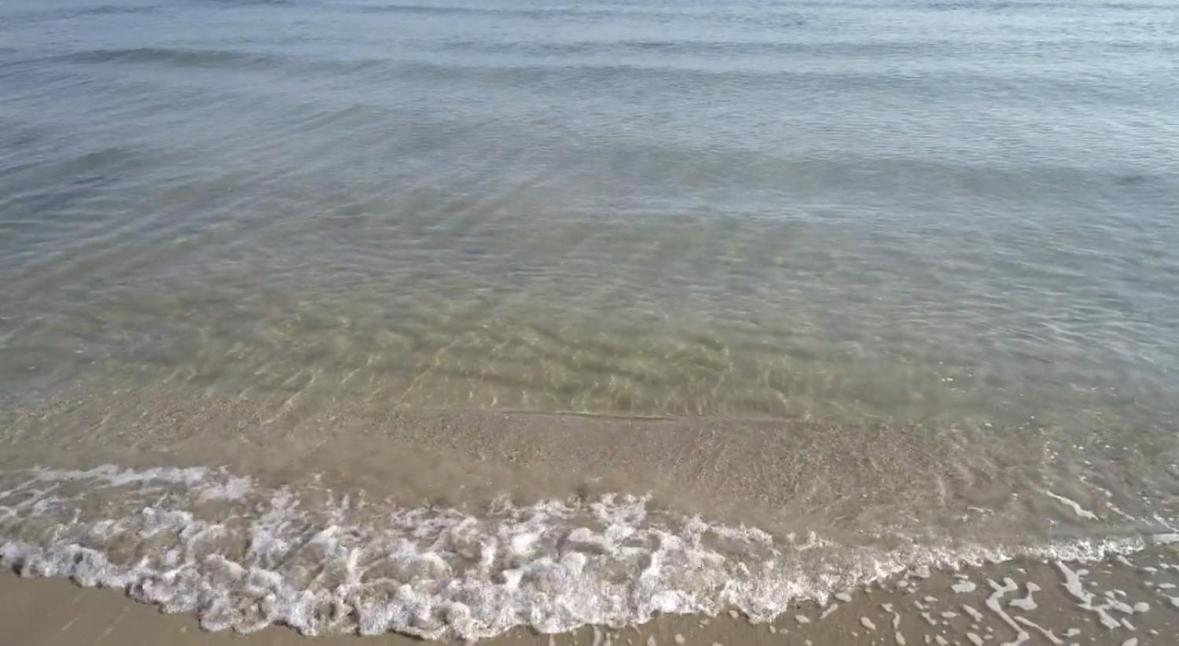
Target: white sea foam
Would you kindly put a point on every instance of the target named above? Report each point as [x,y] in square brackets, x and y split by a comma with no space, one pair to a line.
[242,557]
[1080,511]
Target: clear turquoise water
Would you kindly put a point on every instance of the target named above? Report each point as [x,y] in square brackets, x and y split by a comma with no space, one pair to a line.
[899,208]
[896,208]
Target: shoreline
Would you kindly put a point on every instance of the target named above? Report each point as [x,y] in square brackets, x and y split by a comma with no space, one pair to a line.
[1021,601]
[336,518]
[780,475]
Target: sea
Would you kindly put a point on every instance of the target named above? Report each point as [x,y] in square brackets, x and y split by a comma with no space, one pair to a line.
[449,317]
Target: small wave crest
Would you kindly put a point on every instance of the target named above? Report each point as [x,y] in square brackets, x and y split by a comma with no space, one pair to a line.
[177,57]
[243,556]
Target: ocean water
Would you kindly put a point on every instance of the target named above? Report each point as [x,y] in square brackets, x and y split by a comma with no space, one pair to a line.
[602,309]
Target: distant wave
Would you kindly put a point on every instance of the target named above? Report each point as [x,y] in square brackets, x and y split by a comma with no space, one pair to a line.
[86,11]
[247,2]
[174,56]
[214,59]
[765,17]
[106,10]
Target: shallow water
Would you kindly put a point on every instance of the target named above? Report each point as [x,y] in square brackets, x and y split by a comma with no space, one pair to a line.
[901,274]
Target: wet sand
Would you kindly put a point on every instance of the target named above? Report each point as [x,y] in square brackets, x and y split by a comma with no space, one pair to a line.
[962,493]
[781,475]
[1124,600]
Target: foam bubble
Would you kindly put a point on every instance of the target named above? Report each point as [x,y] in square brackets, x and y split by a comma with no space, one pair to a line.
[1080,511]
[242,556]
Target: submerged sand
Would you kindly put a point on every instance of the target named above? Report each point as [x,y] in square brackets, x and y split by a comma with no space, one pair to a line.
[781,475]
[831,505]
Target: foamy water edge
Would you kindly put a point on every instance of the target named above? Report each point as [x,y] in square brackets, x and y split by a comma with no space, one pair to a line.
[242,556]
